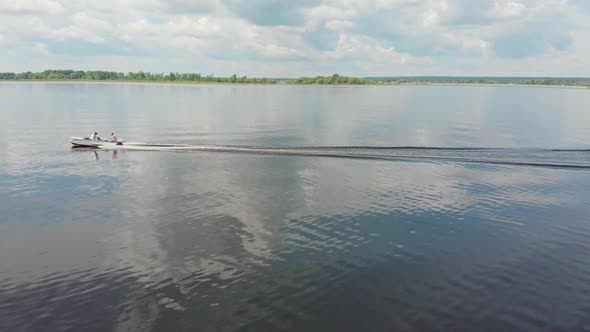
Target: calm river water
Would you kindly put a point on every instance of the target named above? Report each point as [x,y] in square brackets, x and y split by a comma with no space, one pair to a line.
[338,230]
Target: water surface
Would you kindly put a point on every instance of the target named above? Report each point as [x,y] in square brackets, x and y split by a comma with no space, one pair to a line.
[490,238]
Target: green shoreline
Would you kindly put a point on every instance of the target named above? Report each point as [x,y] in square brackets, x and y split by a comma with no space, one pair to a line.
[140,81]
[97,76]
[375,83]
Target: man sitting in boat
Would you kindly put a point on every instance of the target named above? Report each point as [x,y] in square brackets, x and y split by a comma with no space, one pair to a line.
[115,139]
[95,137]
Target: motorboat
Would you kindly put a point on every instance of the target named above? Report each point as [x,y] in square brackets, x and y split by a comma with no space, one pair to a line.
[85,142]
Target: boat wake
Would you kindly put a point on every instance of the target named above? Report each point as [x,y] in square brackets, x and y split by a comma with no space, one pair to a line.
[558,158]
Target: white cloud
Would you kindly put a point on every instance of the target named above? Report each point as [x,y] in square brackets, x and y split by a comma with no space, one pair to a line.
[275,51]
[416,36]
[86,21]
[24,29]
[272,42]
[430,18]
[85,27]
[358,47]
[42,49]
[128,30]
[31,6]
[337,25]
[201,28]
[508,9]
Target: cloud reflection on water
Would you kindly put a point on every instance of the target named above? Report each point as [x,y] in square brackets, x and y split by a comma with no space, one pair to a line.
[220,216]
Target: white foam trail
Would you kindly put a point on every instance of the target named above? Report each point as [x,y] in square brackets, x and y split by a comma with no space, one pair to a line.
[575,159]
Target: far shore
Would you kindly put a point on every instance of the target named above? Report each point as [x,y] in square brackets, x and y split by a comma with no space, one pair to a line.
[516,85]
[139,81]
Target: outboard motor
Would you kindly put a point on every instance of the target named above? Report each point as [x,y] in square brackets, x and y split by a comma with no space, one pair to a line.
[120,141]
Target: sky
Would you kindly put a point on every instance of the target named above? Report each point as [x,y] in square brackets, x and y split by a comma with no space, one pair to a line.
[291,38]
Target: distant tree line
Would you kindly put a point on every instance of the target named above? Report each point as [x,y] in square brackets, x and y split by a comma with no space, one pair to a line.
[334,79]
[99,75]
[477,80]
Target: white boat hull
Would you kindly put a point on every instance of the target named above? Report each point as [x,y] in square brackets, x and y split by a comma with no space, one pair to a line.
[84,142]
